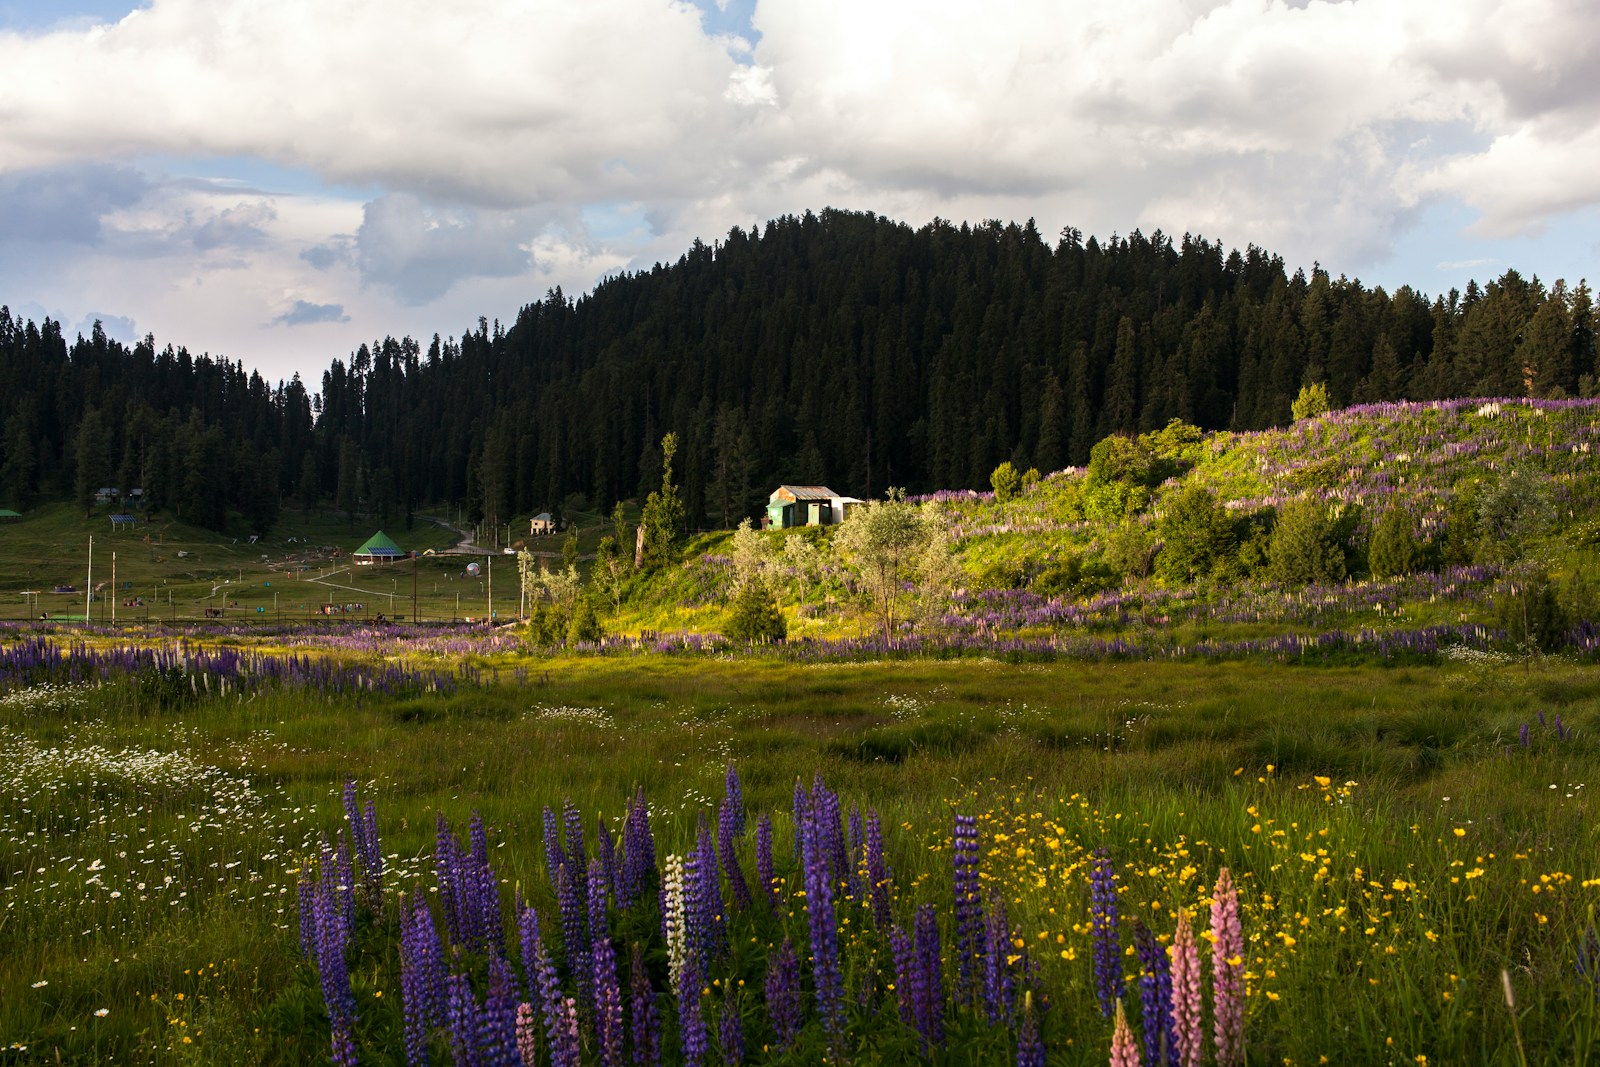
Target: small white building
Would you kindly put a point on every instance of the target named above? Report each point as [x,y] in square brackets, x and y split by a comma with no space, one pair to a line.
[542,525]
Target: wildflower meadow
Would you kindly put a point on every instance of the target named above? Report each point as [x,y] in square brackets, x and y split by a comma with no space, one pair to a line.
[669,859]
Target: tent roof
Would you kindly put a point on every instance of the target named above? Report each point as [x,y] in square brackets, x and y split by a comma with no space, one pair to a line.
[380,545]
[7,513]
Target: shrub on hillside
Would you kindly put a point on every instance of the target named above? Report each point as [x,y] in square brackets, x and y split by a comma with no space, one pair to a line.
[1531,612]
[1075,576]
[1007,482]
[1196,533]
[1306,544]
[755,617]
[1395,550]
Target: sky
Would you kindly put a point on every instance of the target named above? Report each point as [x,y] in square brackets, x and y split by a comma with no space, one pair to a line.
[277,183]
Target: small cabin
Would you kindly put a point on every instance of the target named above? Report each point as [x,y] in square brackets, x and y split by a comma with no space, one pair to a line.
[806,505]
[542,525]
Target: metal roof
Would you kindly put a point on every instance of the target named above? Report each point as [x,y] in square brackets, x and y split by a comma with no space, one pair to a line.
[807,492]
[380,545]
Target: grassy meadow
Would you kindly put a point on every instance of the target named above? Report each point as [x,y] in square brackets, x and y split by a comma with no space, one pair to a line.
[1399,836]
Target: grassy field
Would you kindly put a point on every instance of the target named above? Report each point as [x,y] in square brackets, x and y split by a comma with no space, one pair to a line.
[1399,836]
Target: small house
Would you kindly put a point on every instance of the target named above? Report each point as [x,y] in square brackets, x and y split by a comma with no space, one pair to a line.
[805,505]
[542,525]
[378,549]
[7,515]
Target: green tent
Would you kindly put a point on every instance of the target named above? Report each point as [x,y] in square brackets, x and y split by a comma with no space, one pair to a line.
[379,549]
[7,515]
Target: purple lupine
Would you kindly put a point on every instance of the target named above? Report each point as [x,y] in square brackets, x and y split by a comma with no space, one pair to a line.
[422,995]
[734,798]
[638,852]
[801,803]
[332,936]
[497,1022]
[643,1014]
[730,1029]
[904,951]
[364,834]
[764,870]
[607,1001]
[573,818]
[928,981]
[999,985]
[968,908]
[783,993]
[563,1044]
[527,1035]
[825,803]
[529,935]
[727,832]
[827,980]
[1103,929]
[374,857]
[554,856]
[1030,1042]
[857,840]
[692,1033]
[1155,998]
[881,888]
[1227,971]
[483,897]
[575,933]
[706,926]
[606,847]
[308,919]
[446,864]
[464,1029]
[346,877]
[1522,735]
[599,921]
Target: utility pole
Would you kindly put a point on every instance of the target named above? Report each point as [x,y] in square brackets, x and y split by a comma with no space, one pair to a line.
[88,583]
[491,590]
[413,587]
[113,589]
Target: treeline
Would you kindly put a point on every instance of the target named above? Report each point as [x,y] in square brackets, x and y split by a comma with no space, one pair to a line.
[839,348]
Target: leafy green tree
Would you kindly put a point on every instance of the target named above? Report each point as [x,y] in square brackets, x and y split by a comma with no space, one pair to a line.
[1312,401]
[663,511]
[885,538]
[804,560]
[1196,534]
[569,548]
[1007,482]
[1531,612]
[1130,551]
[610,571]
[584,626]
[1395,550]
[1512,513]
[755,617]
[1305,544]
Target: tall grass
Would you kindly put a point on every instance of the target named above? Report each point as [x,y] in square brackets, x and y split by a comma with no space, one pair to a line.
[1396,843]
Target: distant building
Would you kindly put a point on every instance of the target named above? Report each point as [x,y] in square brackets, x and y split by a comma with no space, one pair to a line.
[807,505]
[542,525]
[7,515]
[378,549]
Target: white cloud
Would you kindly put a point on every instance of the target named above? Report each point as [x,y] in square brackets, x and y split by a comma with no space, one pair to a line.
[483,131]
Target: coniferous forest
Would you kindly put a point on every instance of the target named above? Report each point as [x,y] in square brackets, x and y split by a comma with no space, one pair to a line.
[839,348]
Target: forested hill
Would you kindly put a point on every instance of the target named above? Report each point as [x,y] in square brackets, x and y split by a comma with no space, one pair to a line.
[839,348]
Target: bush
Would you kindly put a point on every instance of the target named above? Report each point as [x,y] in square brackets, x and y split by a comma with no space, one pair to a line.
[1312,401]
[999,574]
[1007,482]
[1532,614]
[1197,534]
[1395,550]
[1129,551]
[1306,546]
[1074,576]
[755,616]
[585,624]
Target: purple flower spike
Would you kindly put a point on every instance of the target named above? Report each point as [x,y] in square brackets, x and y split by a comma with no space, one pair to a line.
[1103,929]
[1155,998]
[575,934]
[735,800]
[904,951]
[638,853]
[828,981]
[728,830]
[463,1023]
[999,986]
[1030,1043]
[764,870]
[532,945]
[928,981]
[783,993]
[969,908]
[642,1010]
[730,1030]
[692,1033]
[554,856]
[881,887]
[422,992]
[607,1000]
[497,1023]
[607,849]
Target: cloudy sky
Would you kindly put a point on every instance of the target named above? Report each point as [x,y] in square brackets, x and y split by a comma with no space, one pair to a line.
[278,181]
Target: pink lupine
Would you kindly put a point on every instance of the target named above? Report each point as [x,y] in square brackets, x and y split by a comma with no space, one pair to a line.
[1124,1049]
[1227,971]
[1186,1022]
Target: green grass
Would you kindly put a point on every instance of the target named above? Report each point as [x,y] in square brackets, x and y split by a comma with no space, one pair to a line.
[1177,768]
